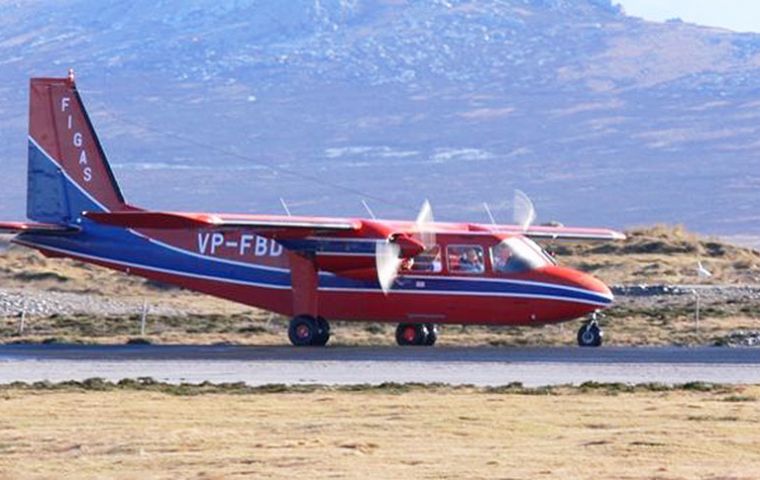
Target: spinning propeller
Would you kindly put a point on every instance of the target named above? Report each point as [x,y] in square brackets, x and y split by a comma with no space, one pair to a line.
[524,213]
[389,255]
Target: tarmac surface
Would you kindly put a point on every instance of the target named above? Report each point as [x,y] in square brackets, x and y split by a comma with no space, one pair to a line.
[374,365]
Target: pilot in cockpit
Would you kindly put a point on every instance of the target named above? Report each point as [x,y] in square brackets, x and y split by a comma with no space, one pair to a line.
[501,256]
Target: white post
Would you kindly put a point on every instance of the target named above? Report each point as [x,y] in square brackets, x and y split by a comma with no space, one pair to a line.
[143,317]
[696,314]
[22,322]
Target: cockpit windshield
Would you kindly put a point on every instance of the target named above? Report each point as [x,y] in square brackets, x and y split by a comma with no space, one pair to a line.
[518,254]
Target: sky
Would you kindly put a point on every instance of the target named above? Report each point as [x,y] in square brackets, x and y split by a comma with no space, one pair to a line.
[737,15]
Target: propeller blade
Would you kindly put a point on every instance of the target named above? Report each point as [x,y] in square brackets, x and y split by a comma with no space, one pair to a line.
[524,212]
[387,264]
[423,225]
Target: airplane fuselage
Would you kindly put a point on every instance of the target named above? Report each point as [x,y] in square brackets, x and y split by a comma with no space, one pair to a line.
[248,268]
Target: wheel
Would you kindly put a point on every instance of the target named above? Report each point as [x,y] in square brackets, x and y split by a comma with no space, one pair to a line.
[302,331]
[590,335]
[411,334]
[432,334]
[323,332]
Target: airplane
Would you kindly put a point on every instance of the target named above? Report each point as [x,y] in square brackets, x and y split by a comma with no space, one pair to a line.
[418,274]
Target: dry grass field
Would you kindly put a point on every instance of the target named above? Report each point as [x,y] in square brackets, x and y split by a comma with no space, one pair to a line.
[412,432]
[256,329]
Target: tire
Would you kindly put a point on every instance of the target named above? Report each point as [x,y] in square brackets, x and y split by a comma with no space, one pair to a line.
[303,330]
[432,334]
[411,334]
[323,332]
[590,335]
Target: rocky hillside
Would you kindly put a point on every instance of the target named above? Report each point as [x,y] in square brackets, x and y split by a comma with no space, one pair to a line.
[664,254]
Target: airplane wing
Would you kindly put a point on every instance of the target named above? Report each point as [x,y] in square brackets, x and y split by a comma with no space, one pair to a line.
[34,227]
[296,227]
[564,233]
[265,224]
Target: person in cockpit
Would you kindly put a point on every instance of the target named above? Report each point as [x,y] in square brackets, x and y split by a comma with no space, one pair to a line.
[471,262]
[501,256]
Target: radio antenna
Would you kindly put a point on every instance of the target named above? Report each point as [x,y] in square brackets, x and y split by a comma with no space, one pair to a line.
[285,206]
[490,215]
[369,210]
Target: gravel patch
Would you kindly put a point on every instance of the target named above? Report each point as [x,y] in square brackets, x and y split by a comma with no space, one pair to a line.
[44,304]
[741,338]
[711,292]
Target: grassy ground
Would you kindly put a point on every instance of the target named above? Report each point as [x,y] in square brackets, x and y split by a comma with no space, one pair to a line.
[395,432]
[669,322]
[244,330]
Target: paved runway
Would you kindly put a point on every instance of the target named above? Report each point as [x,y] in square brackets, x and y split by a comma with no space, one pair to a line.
[352,365]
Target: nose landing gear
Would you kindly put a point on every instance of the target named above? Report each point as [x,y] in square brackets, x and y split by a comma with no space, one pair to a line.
[590,334]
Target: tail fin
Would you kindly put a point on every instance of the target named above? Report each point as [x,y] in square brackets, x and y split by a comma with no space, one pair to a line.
[68,172]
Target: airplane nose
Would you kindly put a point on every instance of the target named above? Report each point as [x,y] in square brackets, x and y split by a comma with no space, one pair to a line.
[589,289]
[593,284]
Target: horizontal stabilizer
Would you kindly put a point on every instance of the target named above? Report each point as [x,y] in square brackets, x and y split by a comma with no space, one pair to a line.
[33,227]
[295,226]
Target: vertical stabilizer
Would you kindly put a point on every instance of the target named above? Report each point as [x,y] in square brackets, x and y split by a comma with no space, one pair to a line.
[68,172]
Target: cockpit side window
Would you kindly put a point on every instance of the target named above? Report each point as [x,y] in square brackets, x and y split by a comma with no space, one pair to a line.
[465,258]
[518,254]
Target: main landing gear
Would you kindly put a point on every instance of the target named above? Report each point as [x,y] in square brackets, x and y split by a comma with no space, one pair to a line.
[590,335]
[420,334]
[308,331]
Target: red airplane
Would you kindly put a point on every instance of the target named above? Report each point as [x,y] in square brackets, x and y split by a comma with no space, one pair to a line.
[417,274]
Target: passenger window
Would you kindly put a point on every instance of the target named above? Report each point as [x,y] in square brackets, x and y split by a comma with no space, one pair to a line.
[465,258]
[428,261]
